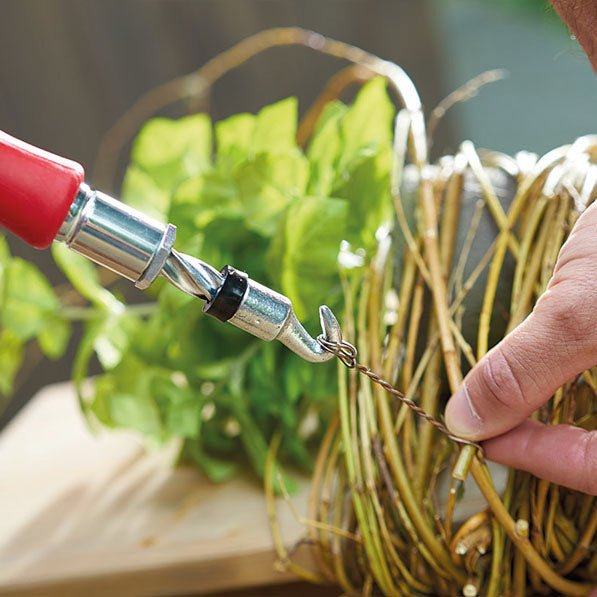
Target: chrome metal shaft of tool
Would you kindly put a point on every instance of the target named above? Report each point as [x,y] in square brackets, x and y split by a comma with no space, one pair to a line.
[140,249]
[117,236]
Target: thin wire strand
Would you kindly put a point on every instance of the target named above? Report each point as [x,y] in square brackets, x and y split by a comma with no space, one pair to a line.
[347,353]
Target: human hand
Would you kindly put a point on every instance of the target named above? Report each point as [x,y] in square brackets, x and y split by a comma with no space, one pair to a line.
[557,341]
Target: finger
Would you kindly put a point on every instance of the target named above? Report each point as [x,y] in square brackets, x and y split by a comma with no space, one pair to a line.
[562,454]
[557,341]
[517,376]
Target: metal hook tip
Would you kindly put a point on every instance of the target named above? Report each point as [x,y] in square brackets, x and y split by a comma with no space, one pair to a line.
[329,324]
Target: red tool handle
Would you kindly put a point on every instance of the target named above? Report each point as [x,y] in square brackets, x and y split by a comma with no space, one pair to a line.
[37,189]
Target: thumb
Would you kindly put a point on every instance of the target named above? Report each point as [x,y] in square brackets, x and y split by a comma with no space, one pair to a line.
[556,342]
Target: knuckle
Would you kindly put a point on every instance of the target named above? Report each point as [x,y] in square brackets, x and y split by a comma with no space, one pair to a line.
[500,380]
[570,315]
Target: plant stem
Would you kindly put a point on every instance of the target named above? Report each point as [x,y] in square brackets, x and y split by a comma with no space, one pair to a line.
[582,548]
[552,578]
[269,484]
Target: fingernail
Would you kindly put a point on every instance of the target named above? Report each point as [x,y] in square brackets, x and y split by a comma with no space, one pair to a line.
[461,418]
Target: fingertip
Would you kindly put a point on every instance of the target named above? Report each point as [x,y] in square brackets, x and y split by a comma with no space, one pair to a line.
[461,418]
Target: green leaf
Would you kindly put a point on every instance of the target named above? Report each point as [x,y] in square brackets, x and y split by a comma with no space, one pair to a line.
[265,380]
[367,189]
[81,363]
[82,274]
[267,184]
[132,396]
[295,448]
[345,135]
[202,199]
[104,388]
[126,398]
[272,130]
[216,371]
[215,469]
[254,442]
[11,356]
[184,416]
[332,112]
[300,379]
[171,150]
[28,299]
[179,405]
[141,192]
[305,252]
[229,241]
[54,336]
[233,138]
[295,377]
[4,253]
[113,338]
[135,411]
[325,148]
[368,123]
[109,336]
[275,127]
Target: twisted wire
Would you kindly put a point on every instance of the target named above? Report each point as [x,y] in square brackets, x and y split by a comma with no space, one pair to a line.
[347,353]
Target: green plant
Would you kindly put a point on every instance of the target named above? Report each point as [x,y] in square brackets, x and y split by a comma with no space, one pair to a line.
[258,202]
[29,309]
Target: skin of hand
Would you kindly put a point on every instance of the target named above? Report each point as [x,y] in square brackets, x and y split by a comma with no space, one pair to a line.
[557,341]
[581,18]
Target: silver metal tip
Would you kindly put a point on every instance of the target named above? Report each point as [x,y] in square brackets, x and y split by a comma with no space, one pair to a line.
[329,325]
[295,336]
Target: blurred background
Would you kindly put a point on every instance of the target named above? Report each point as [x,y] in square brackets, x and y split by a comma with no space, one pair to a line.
[70,68]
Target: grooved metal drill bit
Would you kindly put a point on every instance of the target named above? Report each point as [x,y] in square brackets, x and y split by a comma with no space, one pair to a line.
[191,275]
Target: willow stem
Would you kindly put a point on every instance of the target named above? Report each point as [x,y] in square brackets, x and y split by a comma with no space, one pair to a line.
[552,578]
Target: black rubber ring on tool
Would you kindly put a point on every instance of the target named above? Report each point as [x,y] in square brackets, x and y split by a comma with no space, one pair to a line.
[230,295]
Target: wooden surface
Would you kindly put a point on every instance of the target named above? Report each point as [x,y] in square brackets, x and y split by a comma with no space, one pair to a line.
[86,514]
[96,515]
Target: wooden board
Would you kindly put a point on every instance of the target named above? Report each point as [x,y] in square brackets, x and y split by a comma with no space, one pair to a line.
[86,514]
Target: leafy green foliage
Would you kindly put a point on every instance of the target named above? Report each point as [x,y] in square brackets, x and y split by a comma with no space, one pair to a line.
[258,202]
[82,274]
[304,256]
[11,357]
[29,310]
